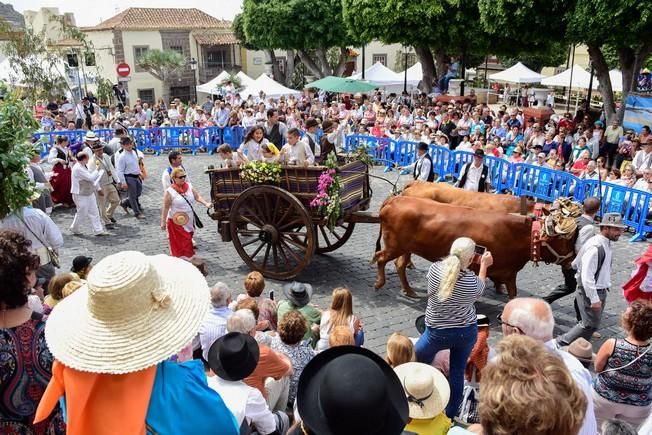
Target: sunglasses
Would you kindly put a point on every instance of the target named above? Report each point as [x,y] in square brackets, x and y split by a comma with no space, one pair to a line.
[181,177]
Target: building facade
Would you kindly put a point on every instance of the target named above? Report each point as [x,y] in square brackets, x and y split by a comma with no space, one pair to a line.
[207,43]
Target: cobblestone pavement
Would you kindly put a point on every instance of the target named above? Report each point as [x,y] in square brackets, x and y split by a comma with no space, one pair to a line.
[383,312]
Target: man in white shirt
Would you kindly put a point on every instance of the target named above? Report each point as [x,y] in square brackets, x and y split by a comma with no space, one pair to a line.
[593,265]
[643,159]
[295,151]
[474,175]
[128,169]
[214,325]
[41,230]
[533,317]
[173,114]
[231,359]
[108,197]
[176,161]
[84,185]
[422,169]
[311,138]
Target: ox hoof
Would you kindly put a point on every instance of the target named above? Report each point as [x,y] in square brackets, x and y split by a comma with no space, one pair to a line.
[378,285]
[501,289]
[410,265]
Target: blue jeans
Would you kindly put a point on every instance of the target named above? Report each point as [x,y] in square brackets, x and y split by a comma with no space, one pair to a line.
[460,341]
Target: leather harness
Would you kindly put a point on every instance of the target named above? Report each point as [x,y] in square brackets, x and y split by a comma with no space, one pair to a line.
[537,244]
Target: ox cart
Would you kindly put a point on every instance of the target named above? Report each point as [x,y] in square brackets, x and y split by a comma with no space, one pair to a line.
[273,227]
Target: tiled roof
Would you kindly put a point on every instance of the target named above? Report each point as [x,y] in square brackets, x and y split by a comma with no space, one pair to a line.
[161,18]
[215,38]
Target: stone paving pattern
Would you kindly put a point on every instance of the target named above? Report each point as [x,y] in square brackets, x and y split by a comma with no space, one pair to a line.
[382,312]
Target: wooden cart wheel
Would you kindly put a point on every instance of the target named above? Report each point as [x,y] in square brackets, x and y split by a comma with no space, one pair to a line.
[329,240]
[264,222]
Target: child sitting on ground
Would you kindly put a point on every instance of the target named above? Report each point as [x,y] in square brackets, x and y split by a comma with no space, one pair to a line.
[254,285]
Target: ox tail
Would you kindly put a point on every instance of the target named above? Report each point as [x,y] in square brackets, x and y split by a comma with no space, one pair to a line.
[380,234]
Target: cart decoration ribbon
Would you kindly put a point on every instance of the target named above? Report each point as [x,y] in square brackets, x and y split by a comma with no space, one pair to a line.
[257,172]
[328,193]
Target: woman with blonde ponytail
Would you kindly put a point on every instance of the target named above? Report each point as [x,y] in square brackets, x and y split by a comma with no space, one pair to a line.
[450,314]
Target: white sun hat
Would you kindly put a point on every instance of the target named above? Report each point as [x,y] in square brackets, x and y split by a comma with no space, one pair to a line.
[134,312]
[426,388]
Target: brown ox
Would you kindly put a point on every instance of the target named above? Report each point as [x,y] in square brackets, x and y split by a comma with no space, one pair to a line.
[447,194]
[427,229]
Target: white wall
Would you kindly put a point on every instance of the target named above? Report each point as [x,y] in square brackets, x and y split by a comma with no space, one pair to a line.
[141,80]
[104,53]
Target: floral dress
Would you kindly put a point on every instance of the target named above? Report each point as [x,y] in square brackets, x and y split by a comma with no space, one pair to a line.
[300,354]
[25,370]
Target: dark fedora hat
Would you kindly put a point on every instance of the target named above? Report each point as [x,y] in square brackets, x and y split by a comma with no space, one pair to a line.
[327,126]
[351,390]
[234,356]
[298,293]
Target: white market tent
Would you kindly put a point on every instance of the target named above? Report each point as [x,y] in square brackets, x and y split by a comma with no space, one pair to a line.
[581,79]
[380,75]
[212,86]
[414,75]
[517,73]
[270,87]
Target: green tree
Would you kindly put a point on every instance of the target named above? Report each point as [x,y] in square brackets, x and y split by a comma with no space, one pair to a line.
[623,27]
[163,65]
[310,27]
[16,127]
[556,55]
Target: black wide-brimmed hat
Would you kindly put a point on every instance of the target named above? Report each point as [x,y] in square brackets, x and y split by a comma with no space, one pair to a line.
[234,356]
[298,293]
[349,390]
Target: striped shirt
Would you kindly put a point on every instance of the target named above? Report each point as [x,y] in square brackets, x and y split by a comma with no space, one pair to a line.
[213,327]
[458,310]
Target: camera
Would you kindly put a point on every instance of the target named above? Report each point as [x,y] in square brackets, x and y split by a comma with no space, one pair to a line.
[479,252]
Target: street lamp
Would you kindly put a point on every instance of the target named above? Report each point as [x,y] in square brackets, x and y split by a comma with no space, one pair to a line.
[193,67]
[406,50]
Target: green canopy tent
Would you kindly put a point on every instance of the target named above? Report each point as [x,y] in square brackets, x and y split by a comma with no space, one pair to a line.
[345,85]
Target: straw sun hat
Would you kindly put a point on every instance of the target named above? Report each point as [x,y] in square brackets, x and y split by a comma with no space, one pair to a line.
[426,388]
[134,312]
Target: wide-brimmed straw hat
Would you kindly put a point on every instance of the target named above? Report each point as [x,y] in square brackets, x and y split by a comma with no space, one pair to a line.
[234,356]
[298,293]
[90,136]
[347,390]
[582,350]
[134,312]
[426,389]
[612,220]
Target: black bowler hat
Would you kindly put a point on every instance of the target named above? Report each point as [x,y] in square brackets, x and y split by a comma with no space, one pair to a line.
[422,146]
[349,390]
[234,356]
[479,152]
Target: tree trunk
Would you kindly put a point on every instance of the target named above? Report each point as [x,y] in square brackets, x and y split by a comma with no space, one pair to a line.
[341,63]
[323,60]
[289,67]
[428,68]
[310,63]
[276,72]
[634,61]
[602,73]
[440,60]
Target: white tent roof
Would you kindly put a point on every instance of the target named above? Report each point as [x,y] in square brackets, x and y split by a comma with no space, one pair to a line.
[379,74]
[414,74]
[518,73]
[581,79]
[211,87]
[268,86]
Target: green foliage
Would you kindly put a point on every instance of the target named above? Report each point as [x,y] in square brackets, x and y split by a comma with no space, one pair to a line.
[104,90]
[16,127]
[161,64]
[238,30]
[555,55]
[234,79]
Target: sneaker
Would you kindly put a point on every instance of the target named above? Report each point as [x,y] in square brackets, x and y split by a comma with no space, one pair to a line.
[102,234]
[113,221]
[140,216]
[596,335]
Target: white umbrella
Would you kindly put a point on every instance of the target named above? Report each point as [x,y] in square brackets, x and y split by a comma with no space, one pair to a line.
[517,73]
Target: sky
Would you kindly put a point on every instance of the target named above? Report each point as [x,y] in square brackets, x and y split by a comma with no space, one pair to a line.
[91,12]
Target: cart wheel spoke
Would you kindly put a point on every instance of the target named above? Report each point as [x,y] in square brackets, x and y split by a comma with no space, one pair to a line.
[266,254]
[289,249]
[323,232]
[329,240]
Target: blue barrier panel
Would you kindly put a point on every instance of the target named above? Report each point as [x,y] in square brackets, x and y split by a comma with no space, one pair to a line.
[500,173]
[48,139]
[178,138]
[459,159]
[377,147]
[142,138]
[211,139]
[105,134]
[441,160]
[403,153]
[542,183]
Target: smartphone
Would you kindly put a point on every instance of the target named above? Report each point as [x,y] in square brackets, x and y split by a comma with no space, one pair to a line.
[271,294]
[479,252]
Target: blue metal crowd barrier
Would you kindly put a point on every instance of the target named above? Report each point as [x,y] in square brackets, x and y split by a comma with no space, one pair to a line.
[543,183]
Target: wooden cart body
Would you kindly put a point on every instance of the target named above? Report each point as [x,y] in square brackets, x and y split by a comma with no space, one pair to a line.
[273,227]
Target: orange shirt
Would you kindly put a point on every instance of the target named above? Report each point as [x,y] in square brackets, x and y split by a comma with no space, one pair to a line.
[270,365]
[99,404]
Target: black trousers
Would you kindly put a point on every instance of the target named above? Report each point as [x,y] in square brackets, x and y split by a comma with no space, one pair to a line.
[567,288]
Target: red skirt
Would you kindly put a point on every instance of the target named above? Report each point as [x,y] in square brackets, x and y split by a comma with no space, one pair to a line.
[61,183]
[180,241]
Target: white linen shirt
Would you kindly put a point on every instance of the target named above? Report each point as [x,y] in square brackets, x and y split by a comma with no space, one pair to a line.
[292,153]
[126,163]
[422,168]
[42,225]
[81,172]
[473,175]
[213,327]
[586,264]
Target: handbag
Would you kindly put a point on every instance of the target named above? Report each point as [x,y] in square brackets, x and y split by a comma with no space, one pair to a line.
[53,255]
[469,408]
[198,223]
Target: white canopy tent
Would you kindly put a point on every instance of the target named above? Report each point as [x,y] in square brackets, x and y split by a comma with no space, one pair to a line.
[581,79]
[270,87]
[212,86]
[517,73]
[380,75]
[414,75]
